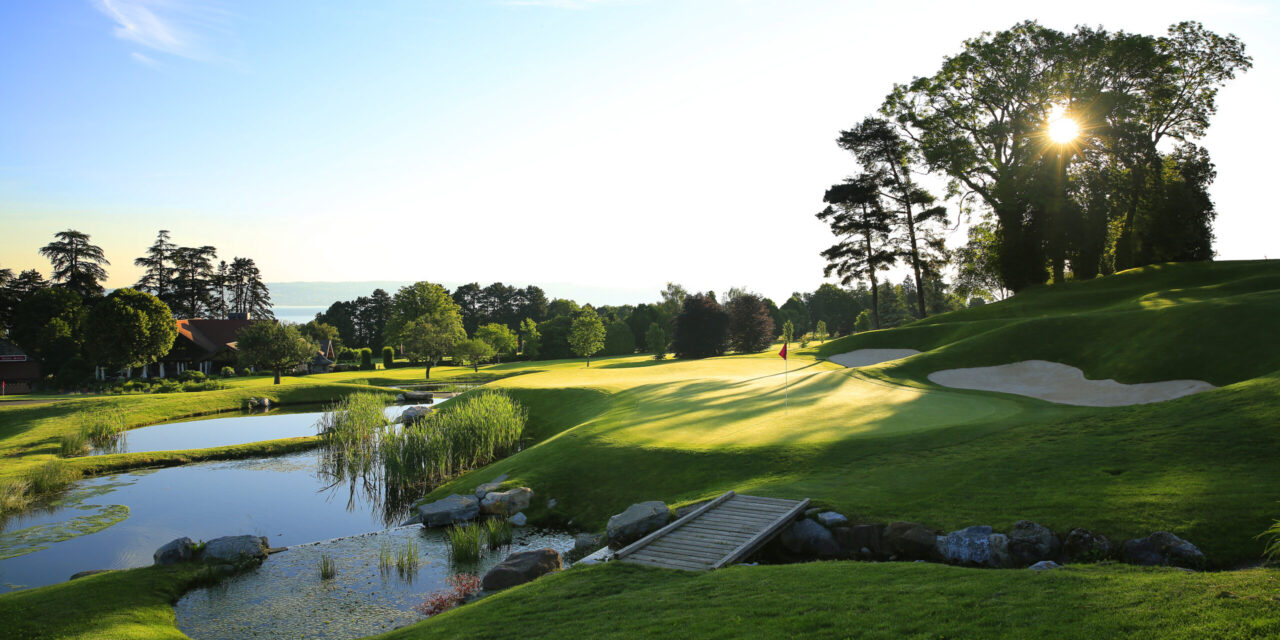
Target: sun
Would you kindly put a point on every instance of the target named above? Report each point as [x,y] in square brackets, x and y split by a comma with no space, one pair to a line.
[1063,129]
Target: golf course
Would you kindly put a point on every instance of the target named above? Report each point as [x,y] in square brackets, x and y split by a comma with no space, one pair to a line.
[879,443]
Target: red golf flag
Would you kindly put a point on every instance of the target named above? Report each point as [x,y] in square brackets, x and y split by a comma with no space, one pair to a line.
[783,353]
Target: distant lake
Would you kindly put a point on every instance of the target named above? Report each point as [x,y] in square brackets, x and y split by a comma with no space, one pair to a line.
[299,315]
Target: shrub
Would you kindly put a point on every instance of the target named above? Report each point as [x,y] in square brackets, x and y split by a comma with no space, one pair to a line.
[461,586]
[210,385]
[133,386]
[1272,551]
[656,341]
[245,372]
[167,386]
[388,357]
[702,328]
[228,372]
[75,443]
[191,375]
[366,359]
[347,354]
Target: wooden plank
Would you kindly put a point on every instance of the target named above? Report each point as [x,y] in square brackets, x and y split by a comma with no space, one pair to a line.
[764,535]
[748,513]
[704,541]
[689,517]
[780,502]
[706,547]
[721,527]
[689,558]
[751,508]
[667,563]
[722,532]
[729,525]
[737,519]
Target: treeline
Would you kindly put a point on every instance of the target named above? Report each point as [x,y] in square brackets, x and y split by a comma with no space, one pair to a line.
[70,325]
[1120,183]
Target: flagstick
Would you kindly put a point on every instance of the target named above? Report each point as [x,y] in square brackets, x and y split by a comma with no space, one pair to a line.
[786,378]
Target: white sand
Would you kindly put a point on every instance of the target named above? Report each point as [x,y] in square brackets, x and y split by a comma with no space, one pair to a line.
[1064,384]
[868,357]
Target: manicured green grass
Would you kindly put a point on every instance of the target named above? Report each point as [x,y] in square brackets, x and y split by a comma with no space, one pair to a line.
[135,604]
[866,600]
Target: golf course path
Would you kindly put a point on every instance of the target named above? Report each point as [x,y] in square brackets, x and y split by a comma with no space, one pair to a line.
[1064,384]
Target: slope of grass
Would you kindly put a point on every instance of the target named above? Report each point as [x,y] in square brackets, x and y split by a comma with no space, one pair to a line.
[1203,321]
[865,600]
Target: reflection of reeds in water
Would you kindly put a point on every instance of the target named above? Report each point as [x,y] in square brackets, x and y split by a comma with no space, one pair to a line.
[497,532]
[399,465]
[464,542]
[328,569]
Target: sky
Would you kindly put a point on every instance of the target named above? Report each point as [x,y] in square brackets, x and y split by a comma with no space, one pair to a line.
[609,144]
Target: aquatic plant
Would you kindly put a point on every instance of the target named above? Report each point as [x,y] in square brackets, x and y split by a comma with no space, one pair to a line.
[461,586]
[328,569]
[15,494]
[407,560]
[102,427]
[74,443]
[1272,551]
[386,559]
[464,542]
[50,477]
[497,532]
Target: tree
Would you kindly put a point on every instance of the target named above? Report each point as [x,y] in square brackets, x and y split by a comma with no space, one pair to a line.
[656,339]
[977,275]
[586,334]
[750,327]
[863,323]
[249,294]
[702,328]
[639,321]
[47,325]
[887,156]
[499,337]
[77,264]
[470,301]
[341,316]
[193,281]
[554,344]
[788,332]
[820,332]
[618,339]
[272,345]
[474,352]
[857,217]
[157,272]
[561,307]
[318,332]
[673,299]
[425,321]
[531,338]
[128,328]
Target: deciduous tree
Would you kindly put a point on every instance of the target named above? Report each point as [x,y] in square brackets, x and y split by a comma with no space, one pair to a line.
[272,345]
[586,334]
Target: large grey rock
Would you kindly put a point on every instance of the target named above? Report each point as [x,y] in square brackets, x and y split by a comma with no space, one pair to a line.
[450,510]
[522,567]
[518,520]
[863,540]
[910,541]
[507,503]
[1044,565]
[636,522]
[412,415]
[488,487]
[806,537]
[235,550]
[1083,545]
[1164,549]
[416,396]
[174,551]
[1030,543]
[832,519]
[586,542]
[974,546]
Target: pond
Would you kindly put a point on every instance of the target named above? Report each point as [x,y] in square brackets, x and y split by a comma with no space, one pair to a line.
[223,431]
[286,596]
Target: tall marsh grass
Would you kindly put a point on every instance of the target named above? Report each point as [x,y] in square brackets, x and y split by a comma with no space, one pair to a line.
[50,477]
[464,542]
[401,463]
[1272,551]
[75,443]
[328,568]
[102,427]
[497,532]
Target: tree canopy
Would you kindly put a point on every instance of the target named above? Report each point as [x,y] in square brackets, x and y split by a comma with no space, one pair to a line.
[586,334]
[272,345]
[128,328]
[78,264]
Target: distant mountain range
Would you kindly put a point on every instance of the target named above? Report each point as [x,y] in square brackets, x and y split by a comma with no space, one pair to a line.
[323,294]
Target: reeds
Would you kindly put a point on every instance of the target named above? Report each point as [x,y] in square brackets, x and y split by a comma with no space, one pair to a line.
[102,427]
[15,495]
[50,477]
[497,533]
[407,560]
[464,542]
[1272,551]
[328,569]
[386,559]
[75,443]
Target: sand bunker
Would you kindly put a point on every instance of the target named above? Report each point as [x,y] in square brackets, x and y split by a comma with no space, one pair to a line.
[868,357]
[1064,384]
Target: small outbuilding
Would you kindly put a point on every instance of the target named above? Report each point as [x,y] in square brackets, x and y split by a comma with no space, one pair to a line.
[19,373]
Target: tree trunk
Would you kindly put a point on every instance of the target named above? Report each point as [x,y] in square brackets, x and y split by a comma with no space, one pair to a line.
[915,250]
[428,369]
[277,370]
[871,271]
[475,366]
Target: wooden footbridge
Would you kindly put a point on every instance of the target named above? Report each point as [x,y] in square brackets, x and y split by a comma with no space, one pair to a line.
[716,534]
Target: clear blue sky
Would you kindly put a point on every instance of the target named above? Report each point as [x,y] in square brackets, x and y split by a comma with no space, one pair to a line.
[558,141]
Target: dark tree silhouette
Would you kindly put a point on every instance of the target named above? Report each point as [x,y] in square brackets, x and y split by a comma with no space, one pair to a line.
[77,264]
[701,328]
[863,226]
[157,267]
[750,327]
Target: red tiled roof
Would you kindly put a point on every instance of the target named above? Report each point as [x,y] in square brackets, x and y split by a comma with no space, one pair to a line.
[212,335]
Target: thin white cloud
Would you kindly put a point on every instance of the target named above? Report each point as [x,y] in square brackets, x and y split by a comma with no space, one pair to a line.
[173,27]
[144,60]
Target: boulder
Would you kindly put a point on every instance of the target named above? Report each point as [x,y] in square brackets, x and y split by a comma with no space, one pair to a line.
[507,503]
[910,541]
[862,540]
[551,503]
[586,542]
[1083,545]
[1044,565]
[258,403]
[832,519]
[174,551]
[446,511]
[236,550]
[518,520]
[488,487]
[1030,543]
[412,415]
[636,522]
[974,546]
[522,567]
[808,538]
[1163,549]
